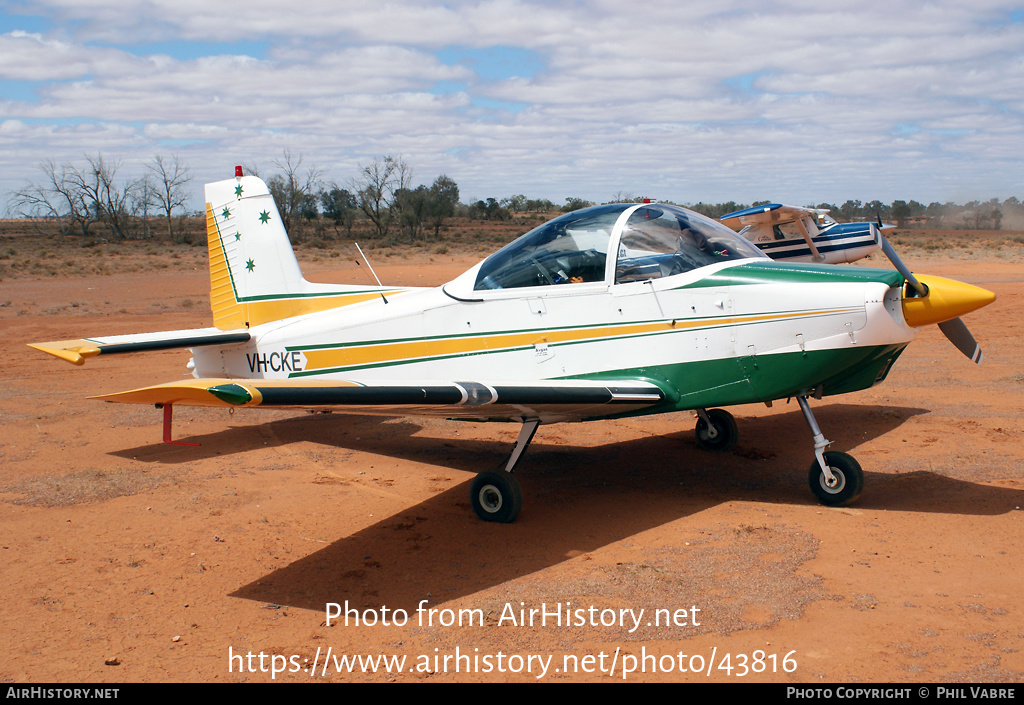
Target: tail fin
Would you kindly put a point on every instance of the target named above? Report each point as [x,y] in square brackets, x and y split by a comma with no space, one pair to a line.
[254,276]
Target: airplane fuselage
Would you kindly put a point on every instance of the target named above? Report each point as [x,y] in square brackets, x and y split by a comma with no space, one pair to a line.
[737,332]
[841,243]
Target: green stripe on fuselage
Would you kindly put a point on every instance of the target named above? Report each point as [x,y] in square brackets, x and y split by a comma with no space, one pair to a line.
[758,272]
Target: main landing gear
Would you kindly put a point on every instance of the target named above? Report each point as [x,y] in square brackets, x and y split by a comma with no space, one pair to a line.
[496,495]
[836,479]
[716,430]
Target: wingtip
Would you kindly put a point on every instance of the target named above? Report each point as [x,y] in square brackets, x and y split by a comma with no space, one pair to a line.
[73,351]
[189,392]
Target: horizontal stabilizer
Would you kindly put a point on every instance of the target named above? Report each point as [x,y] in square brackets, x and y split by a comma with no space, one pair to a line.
[76,351]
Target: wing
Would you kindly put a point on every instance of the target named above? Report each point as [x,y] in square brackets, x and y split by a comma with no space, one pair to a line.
[77,351]
[548,400]
[770,214]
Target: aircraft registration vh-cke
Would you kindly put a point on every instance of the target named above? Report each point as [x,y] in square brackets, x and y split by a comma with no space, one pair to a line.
[611,311]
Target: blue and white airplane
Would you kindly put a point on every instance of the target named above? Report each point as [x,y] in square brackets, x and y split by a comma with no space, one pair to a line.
[797,234]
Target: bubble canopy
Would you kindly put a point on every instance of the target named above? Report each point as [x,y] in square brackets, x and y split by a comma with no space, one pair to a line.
[648,241]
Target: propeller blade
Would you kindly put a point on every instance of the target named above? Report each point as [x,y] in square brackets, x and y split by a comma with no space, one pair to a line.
[889,252]
[957,332]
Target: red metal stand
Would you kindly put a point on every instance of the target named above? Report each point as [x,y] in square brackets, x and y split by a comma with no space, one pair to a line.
[167,429]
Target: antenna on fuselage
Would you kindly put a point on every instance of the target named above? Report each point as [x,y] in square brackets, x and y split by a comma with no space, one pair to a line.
[371,270]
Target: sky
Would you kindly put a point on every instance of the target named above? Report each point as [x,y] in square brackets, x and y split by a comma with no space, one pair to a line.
[793,101]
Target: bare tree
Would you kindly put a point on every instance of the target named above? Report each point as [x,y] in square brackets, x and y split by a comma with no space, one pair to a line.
[56,198]
[115,204]
[293,190]
[625,197]
[252,169]
[82,197]
[171,189]
[379,188]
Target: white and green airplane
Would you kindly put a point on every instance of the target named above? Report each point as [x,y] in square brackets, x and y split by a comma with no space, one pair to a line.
[611,311]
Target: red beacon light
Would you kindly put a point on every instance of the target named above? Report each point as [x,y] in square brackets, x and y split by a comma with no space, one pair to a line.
[238,172]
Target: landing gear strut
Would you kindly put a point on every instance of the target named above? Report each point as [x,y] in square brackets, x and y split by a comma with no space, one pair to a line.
[496,496]
[836,479]
[716,430]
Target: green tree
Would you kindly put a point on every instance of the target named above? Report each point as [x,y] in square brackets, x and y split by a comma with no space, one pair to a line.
[515,204]
[415,204]
[877,209]
[444,196]
[339,206]
[900,211]
[574,203]
[535,205]
[490,209]
[850,210]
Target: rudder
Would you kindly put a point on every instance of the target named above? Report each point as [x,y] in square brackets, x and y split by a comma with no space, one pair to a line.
[253,271]
[254,275]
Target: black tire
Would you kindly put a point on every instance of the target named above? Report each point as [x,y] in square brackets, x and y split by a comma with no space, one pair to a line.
[724,424]
[496,496]
[850,478]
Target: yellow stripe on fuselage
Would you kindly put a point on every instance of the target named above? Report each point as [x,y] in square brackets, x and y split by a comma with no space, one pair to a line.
[340,357]
[278,309]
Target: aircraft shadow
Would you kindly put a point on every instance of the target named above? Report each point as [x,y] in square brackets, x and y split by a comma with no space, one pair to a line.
[261,429]
[579,499]
[780,432]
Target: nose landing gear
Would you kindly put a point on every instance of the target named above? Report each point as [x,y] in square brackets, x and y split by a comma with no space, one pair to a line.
[836,479]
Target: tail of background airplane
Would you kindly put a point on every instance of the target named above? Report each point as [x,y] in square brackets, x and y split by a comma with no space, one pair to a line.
[254,276]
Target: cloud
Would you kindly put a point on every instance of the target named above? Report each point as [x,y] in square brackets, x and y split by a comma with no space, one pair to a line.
[700,101]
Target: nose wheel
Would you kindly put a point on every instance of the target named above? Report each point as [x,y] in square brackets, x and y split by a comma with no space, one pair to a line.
[846,483]
[836,479]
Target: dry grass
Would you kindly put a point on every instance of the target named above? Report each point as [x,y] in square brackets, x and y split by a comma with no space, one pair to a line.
[32,249]
[82,486]
[960,244]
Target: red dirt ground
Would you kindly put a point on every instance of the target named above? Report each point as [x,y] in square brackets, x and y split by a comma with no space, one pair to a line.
[127,560]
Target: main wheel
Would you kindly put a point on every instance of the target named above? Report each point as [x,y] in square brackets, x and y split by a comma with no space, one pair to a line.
[726,432]
[849,480]
[496,496]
